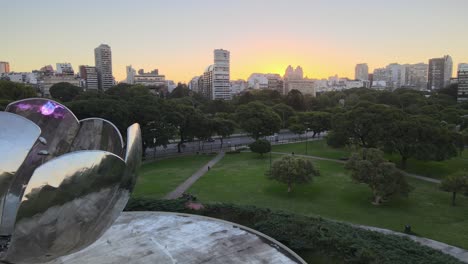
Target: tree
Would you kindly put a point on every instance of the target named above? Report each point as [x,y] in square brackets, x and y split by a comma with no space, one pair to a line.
[292,170]
[180,91]
[64,91]
[260,146]
[364,125]
[188,121]
[295,99]
[223,128]
[11,91]
[419,137]
[384,179]
[284,112]
[258,119]
[455,183]
[318,122]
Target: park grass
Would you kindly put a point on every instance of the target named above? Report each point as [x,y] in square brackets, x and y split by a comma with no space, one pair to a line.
[314,148]
[158,178]
[240,179]
[432,169]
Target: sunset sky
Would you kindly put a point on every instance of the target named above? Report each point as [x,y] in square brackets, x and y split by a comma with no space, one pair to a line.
[178,36]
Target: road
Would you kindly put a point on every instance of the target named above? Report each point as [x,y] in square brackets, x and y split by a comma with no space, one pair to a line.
[233,141]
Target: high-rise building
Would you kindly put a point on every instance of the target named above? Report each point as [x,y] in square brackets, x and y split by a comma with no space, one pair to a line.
[65,69]
[103,59]
[216,78]
[194,84]
[4,67]
[361,72]
[416,76]
[440,72]
[89,77]
[462,82]
[130,75]
[396,75]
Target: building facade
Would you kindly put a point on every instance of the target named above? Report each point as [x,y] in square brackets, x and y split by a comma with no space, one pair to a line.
[416,76]
[103,60]
[64,69]
[361,72]
[462,82]
[4,67]
[439,72]
[89,78]
[216,78]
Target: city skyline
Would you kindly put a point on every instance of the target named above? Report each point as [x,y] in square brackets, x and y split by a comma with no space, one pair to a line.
[324,38]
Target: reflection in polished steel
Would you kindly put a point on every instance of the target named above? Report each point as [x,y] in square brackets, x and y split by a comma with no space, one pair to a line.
[63,182]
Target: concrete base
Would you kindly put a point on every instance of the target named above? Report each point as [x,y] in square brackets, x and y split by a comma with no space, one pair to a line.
[158,237]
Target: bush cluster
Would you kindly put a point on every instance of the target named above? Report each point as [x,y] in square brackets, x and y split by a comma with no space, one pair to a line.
[310,234]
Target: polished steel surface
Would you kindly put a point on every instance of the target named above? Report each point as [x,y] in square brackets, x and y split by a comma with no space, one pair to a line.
[17,137]
[64,181]
[63,202]
[98,134]
[59,127]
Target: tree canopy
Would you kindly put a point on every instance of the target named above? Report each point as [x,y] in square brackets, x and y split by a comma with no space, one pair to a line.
[383,178]
[292,170]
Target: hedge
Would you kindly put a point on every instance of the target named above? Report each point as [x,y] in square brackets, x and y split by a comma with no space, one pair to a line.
[340,241]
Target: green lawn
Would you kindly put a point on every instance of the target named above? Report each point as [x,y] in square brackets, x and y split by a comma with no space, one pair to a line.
[240,179]
[157,179]
[314,148]
[433,169]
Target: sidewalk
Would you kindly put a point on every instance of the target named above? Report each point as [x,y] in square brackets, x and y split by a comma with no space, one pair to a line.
[192,179]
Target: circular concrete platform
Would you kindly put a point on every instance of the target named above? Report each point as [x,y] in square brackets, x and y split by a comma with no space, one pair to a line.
[159,237]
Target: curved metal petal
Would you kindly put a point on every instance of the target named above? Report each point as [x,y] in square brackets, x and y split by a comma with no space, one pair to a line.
[64,202]
[17,138]
[59,127]
[133,155]
[98,134]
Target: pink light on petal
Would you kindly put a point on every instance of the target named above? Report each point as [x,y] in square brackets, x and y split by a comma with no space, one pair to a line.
[48,108]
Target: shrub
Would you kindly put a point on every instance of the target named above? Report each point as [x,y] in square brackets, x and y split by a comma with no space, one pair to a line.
[311,234]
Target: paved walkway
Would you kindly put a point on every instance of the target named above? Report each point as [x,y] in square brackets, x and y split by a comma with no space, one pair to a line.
[197,175]
[456,252]
[416,176]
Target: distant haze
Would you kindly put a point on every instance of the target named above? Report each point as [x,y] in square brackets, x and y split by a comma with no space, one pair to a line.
[178,37]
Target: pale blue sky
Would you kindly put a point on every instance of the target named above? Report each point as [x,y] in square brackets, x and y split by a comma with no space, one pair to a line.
[178,37]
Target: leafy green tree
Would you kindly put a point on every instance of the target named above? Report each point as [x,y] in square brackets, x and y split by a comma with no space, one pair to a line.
[11,91]
[124,91]
[292,170]
[260,146]
[188,121]
[317,122]
[258,119]
[364,125]
[223,128]
[295,99]
[285,112]
[116,111]
[455,183]
[64,91]
[419,137]
[384,179]
[180,91]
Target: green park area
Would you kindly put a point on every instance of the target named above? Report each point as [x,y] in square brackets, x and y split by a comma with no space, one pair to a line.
[240,179]
[432,169]
[157,179]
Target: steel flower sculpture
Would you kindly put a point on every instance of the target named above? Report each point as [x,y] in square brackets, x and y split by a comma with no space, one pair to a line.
[63,182]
